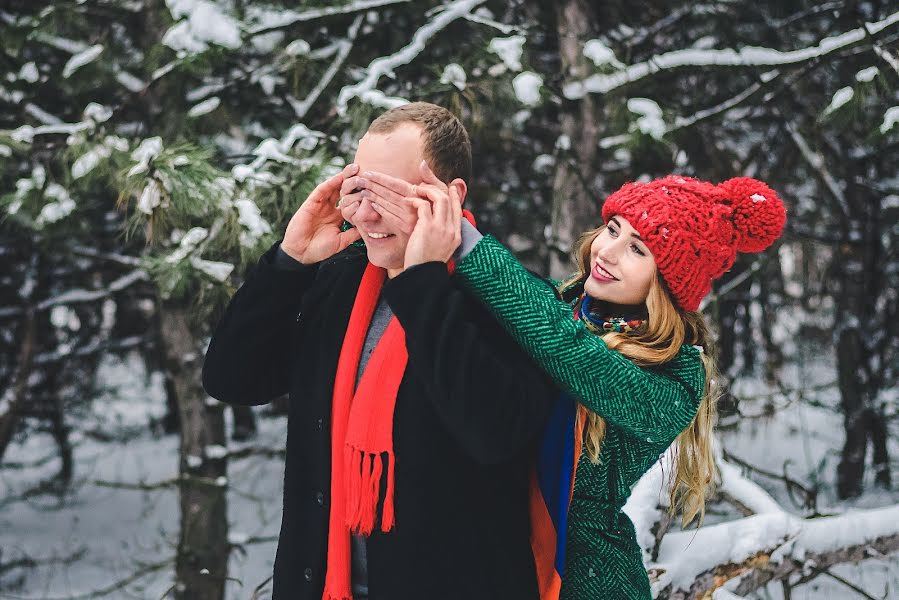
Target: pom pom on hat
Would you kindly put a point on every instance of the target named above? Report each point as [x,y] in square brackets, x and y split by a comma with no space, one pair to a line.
[759,215]
[694,228]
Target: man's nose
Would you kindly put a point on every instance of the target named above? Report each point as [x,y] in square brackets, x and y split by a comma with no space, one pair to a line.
[365,212]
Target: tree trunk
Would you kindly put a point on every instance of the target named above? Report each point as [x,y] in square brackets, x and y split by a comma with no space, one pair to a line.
[244,423]
[14,407]
[575,207]
[202,560]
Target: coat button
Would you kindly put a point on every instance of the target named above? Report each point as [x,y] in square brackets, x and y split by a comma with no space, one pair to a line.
[299,316]
[308,574]
[320,498]
[319,424]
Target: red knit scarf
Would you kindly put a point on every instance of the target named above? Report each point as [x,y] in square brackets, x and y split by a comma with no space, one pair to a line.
[362,431]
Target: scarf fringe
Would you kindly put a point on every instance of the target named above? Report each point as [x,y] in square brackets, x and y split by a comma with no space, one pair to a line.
[331,595]
[387,512]
[364,471]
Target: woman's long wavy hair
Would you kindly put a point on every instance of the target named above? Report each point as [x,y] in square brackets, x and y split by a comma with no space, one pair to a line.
[666,329]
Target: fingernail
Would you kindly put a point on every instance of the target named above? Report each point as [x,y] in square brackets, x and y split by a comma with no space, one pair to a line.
[360,181]
[375,206]
[366,194]
[353,167]
[367,174]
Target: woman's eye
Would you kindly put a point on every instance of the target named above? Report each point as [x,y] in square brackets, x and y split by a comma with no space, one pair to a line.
[612,232]
[638,250]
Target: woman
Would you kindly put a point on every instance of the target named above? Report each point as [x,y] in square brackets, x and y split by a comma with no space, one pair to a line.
[623,337]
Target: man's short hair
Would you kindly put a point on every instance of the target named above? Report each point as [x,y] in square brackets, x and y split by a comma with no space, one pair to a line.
[447,147]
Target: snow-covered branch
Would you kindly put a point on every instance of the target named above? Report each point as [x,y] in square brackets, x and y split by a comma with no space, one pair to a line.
[646,506]
[292,17]
[122,259]
[769,547]
[95,347]
[366,89]
[741,490]
[750,56]
[80,296]
[684,122]
[887,57]
[343,50]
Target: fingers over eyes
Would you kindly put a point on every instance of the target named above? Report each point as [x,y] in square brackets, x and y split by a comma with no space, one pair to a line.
[394,184]
[350,185]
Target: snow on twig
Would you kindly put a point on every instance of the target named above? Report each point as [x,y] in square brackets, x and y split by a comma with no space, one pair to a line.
[78,296]
[483,20]
[887,57]
[343,50]
[384,65]
[745,57]
[290,17]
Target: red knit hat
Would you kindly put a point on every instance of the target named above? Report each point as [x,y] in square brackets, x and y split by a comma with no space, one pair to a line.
[695,229]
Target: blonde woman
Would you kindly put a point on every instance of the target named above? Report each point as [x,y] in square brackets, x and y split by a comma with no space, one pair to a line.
[622,337]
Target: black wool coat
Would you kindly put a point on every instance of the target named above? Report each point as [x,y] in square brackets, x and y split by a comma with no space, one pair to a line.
[469,411]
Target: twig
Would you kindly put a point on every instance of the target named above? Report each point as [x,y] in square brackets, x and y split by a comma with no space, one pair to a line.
[850,585]
[30,562]
[811,495]
[816,162]
[106,591]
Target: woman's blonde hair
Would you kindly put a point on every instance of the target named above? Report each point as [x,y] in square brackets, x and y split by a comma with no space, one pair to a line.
[666,329]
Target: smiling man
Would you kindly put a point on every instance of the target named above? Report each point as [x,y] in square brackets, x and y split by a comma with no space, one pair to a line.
[395,144]
[413,416]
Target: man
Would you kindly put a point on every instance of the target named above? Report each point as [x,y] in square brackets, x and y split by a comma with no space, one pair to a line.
[413,417]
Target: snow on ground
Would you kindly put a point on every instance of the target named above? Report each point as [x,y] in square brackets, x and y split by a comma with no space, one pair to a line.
[808,439]
[116,528]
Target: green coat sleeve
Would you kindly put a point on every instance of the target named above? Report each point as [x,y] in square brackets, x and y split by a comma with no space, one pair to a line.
[650,403]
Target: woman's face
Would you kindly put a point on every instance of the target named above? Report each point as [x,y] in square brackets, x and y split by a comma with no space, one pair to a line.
[621,266]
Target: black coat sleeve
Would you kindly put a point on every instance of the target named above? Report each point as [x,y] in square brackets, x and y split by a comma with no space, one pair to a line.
[248,357]
[491,396]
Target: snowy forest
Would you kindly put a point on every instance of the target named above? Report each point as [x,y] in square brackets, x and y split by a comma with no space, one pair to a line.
[151,150]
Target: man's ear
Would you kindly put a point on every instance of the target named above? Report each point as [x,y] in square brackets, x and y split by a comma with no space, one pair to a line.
[460,186]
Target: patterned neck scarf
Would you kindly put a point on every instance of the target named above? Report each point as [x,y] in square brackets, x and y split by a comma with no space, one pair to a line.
[599,324]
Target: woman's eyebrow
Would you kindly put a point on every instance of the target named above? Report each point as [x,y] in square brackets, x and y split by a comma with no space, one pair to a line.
[617,224]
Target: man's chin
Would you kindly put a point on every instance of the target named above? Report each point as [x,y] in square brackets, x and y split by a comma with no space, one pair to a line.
[386,260]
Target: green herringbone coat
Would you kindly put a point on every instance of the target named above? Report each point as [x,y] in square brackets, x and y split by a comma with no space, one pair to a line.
[645,409]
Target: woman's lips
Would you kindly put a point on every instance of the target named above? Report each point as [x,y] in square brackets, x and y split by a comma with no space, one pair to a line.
[601,274]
